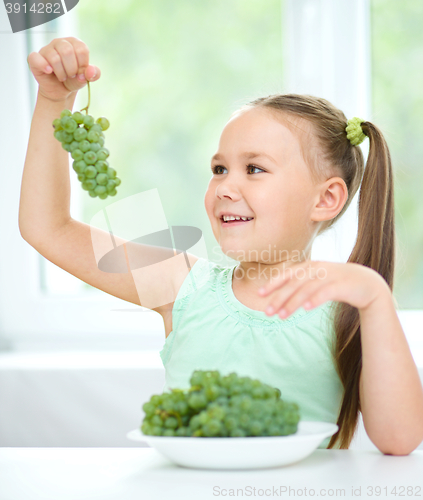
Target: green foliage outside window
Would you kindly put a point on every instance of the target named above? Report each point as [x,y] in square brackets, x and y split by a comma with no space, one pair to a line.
[397,102]
[172,73]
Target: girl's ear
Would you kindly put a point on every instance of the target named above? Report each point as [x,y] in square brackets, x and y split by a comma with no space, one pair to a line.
[331,198]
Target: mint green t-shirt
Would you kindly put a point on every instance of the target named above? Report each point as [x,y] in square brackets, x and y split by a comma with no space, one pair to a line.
[212,330]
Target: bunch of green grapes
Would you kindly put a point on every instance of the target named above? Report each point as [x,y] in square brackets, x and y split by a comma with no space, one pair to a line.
[220,406]
[84,140]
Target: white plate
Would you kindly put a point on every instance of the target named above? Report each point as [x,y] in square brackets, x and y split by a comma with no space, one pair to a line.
[240,453]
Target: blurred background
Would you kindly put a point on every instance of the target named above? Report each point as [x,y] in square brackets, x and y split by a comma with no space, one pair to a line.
[76,364]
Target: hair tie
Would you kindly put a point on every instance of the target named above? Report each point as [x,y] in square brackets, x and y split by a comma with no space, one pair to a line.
[354,131]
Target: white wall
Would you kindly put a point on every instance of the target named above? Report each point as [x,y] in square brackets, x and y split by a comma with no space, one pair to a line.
[86,399]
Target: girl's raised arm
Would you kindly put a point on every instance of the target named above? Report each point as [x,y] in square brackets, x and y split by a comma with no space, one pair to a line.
[44,210]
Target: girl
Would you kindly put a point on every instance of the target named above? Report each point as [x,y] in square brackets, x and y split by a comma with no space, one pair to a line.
[287,167]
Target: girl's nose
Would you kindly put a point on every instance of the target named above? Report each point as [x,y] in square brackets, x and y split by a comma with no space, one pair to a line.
[227,188]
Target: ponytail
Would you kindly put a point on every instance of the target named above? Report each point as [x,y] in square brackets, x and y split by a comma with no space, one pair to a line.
[374,248]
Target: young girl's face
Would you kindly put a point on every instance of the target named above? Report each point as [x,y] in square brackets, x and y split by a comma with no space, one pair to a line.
[277,190]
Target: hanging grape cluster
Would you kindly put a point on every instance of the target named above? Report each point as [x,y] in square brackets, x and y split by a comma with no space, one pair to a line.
[220,406]
[83,138]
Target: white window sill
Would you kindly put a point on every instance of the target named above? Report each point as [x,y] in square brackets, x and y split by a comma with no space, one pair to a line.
[126,360]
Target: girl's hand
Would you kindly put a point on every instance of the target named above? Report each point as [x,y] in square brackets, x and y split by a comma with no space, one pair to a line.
[57,68]
[309,284]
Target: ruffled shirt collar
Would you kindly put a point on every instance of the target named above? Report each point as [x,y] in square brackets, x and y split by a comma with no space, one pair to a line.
[244,314]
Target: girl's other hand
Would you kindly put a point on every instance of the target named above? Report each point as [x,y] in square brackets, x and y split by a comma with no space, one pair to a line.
[311,283]
[58,67]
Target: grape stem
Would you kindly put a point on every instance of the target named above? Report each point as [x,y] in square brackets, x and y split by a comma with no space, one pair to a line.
[89,97]
[178,417]
[165,414]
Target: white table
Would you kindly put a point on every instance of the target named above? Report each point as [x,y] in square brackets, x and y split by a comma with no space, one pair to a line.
[143,474]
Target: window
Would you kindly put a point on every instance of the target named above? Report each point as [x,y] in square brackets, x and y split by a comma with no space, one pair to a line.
[170,80]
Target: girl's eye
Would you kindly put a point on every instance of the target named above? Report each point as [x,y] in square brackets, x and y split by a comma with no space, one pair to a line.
[216,167]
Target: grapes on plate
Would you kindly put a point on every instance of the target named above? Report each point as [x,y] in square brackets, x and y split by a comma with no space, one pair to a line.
[220,406]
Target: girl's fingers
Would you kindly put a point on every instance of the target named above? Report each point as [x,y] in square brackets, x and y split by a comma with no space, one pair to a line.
[282,295]
[92,73]
[55,61]
[291,287]
[297,271]
[306,293]
[68,56]
[82,54]
[303,295]
[81,51]
[38,65]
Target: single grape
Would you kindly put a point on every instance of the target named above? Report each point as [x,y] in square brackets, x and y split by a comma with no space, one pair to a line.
[100,189]
[103,196]
[90,184]
[70,126]
[66,146]
[80,134]
[102,179]
[84,145]
[90,172]
[74,145]
[113,192]
[95,146]
[93,136]
[88,121]
[256,427]
[156,399]
[58,135]
[111,184]
[103,122]
[57,125]
[66,137]
[102,167]
[149,408]
[183,432]
[90,157]
[64,120]
[65,112]
[171,423]
[77,154]
[96,128]
[237,433]
[79,166]
[92,193]
[111,172]
[117,181]
[101,141]
[103,153]
[81,177]
[78,117]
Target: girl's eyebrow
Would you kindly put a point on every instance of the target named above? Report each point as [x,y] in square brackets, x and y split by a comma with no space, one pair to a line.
[249,155]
